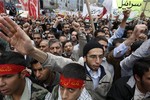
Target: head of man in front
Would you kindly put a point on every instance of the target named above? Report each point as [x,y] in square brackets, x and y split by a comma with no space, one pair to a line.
[72,83]
[93,53]
[12,74]
[44,75]
[67,48]
[37,38]
[141,72]
[41,73]
[14,85]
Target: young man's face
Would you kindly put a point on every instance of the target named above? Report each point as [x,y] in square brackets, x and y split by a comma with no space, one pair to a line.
[104,44]
[10,84]
[40,73]
[94,58]
[37,39]
[144,83]
[50,36]
[66,28]
[74,36]
[68,47]
[70,93]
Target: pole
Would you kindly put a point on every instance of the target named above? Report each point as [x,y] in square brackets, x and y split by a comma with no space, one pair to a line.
[91,18]
[145,6]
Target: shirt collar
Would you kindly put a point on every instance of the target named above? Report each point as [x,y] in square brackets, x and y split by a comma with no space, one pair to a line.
[94,74]
[139,95]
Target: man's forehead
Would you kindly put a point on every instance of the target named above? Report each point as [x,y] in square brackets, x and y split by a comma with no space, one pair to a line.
[98,51]
[69,88]
[3,75]
[55,44]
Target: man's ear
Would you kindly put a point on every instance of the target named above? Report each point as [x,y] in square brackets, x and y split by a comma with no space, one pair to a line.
[137,78]
[24,73]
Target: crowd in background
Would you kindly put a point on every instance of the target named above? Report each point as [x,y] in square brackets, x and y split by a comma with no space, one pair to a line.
[71,38]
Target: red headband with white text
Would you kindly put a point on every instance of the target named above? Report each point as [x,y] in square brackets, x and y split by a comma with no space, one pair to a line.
[10,69]
[71,82]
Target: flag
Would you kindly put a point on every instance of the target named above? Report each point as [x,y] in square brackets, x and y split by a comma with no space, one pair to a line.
[107,4]
[33,8]
[103,12]
[24,4]
[2,8]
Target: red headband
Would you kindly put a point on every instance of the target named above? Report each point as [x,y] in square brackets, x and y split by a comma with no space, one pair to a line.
[71,82]
[10,69]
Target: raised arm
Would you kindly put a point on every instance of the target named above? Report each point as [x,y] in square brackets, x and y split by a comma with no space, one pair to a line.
[19,39]
[141,52]
[119,32]
[82,41]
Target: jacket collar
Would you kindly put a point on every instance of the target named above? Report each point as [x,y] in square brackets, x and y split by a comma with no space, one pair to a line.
[103,73]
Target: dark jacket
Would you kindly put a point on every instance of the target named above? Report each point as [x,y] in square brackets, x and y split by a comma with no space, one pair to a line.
[122,89]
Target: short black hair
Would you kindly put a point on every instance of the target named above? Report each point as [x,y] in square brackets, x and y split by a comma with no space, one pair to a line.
[97,31]
[33,61]
[74,70]
[64,43]
[117,40]
[141,66]
[9,57]
[99,38]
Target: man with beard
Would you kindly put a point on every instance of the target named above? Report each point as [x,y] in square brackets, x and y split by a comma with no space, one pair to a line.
[55,47]
[67,48]
[37,38]
[135,87]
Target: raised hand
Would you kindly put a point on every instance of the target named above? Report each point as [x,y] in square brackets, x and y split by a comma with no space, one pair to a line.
[76,26]
[140,28]
[15,36]
[126,13]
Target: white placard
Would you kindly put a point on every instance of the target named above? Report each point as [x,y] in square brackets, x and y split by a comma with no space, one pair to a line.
[94,10]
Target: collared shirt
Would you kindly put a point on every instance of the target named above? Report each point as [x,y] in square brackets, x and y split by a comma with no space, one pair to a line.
[118,34]
[138,95]
[120,50]
[95,75]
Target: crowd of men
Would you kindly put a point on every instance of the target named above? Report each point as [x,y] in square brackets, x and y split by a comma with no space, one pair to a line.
[63,58]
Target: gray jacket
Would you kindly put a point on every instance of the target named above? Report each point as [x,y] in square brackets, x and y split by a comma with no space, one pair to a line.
[142,52]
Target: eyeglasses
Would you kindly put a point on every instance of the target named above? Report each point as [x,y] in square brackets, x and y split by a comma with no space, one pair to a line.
[95,56]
